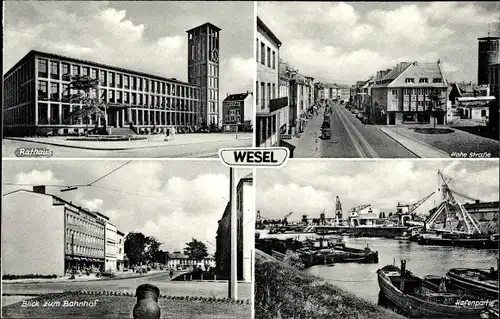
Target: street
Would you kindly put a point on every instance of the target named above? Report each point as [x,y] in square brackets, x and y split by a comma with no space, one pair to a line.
[201,149]
[349,139]
[161,280]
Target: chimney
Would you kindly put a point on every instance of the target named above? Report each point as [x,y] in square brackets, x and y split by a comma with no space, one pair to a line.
[40,189]
[477,201]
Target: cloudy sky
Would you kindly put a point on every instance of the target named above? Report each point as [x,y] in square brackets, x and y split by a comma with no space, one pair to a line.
[308,187]
[171,200]
[349,42]
[140,35]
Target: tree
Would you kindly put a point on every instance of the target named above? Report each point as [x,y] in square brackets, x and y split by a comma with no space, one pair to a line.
[435,106]
[196,249]
[151,248]
[87,94]
[135,244]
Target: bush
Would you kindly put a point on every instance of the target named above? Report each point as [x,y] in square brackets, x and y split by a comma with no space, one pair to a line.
[29,276]
[282,291]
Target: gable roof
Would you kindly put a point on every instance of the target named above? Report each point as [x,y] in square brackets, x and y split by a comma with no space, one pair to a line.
[416,71]
[237,97]
[470,89]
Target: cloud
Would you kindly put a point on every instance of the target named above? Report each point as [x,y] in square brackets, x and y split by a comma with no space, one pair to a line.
[126,35]
[308,187]
[348,42]
[38,178]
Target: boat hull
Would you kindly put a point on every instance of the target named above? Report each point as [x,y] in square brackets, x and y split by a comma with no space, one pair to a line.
[418,308]
[478,243]
[458,279]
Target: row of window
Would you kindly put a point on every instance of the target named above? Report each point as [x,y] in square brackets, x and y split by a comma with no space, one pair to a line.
[114,96]
[16,86]
[83,250]
[113,79]
[424,80]
[407,91]
[267,92]
[88,225]
[267,55]
[83,237]
[59,114]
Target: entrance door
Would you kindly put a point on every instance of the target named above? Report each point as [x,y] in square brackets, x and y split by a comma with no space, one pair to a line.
[392,118]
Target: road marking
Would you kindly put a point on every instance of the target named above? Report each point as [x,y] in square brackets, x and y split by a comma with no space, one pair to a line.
[348,130]
[368,147]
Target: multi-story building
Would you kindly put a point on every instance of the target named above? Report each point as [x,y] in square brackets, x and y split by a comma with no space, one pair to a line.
[488,53]
[343,93]
[402,95]
[237,110]
[57,235]
[121,257]
[310,90]
[178,259]
[203,70]
[285,75]
[271,111]
[37,92]
[245,234]
[111,248]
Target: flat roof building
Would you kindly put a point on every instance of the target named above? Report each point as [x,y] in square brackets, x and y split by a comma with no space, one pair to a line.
[37,92]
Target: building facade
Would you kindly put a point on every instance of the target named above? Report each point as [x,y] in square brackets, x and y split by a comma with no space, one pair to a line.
[121,257]
[37,93]
[58,236]
[178,260]
[245,234]
[111,249]
[271,111]
[203,70]
[237,110]
[402,95]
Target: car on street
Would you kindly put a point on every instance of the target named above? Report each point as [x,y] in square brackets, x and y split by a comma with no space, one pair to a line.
[107,273]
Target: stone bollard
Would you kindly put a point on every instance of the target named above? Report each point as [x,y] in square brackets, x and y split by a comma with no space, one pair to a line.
[147,302]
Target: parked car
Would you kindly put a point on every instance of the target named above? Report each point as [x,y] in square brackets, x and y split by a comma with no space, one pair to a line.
[107,273]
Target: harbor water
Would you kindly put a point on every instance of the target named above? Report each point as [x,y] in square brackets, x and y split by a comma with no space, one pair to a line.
[361,279]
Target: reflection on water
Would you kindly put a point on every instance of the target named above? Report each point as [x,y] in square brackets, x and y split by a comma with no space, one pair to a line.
[361,279]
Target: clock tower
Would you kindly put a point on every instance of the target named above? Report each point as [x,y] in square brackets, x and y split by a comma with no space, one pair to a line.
[203,70]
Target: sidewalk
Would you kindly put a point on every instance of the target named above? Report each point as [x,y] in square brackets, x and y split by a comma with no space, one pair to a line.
[83,278]
[154,142]
[415,146]
[308,145]
[458,142]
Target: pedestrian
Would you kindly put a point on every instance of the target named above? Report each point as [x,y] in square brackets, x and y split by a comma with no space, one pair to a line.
[172,133]
[167,135]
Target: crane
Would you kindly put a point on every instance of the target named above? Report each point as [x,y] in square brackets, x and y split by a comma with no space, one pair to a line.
[358,208]
[466,223]
[285,221]
[411,208]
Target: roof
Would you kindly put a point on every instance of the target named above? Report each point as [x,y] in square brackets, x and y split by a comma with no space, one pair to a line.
[59,199]
[203,25]
[177,255]
[247,178]
[475,98]
[471,89]
[343,86]
[489,38]
[268,31]
[237,97]
[33,53]
[396,77]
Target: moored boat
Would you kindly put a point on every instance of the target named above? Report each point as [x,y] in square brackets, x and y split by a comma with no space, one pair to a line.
[478,281]
[466,241]
[415,298]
